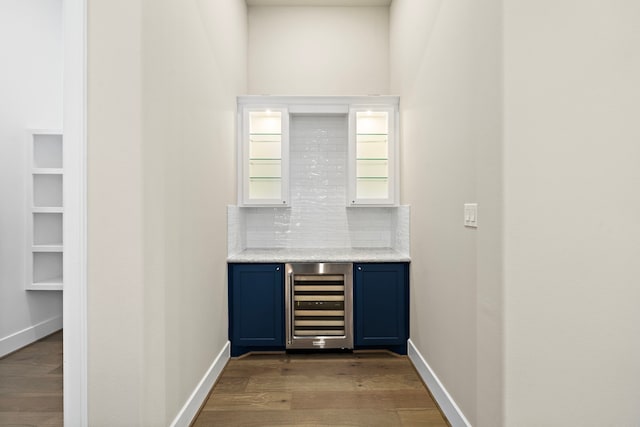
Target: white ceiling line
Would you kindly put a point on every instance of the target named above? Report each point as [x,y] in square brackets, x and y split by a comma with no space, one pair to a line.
[318,2]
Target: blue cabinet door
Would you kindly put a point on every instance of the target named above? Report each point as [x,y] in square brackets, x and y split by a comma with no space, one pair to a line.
[381,295]
[256,307]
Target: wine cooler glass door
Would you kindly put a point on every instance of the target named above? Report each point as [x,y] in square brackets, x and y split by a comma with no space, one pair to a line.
[319,306]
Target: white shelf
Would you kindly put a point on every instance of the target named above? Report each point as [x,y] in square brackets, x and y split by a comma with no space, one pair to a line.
[54,286]
[47,171]
[45,211]
[47,248]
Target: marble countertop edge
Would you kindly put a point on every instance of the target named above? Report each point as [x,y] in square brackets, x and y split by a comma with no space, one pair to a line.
[284,255]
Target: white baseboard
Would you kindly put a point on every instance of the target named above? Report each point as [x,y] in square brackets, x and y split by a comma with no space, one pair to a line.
[443,398]
[200,393]
[29,335]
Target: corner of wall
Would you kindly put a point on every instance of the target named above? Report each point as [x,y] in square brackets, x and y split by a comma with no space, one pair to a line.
[199,395]
[452,412]
[31,334]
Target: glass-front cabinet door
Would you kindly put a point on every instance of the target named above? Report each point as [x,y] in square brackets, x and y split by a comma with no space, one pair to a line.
[372,154]
[265,165]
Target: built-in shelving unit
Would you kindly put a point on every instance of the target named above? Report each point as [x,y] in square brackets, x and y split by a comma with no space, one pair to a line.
[45,249]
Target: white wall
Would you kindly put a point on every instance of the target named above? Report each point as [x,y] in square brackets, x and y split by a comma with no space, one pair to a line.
[568,161]
[161,148]
[538,307]
[445,58]
[115,297]
[318,50]
[572,233]
[31,88]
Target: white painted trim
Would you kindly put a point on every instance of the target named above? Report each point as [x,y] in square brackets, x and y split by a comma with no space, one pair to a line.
[74,295]
[445,401]
[302,109]
[288,101]
[193,404]
[29,335]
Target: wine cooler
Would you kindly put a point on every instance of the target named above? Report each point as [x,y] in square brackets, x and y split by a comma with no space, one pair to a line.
[319,305]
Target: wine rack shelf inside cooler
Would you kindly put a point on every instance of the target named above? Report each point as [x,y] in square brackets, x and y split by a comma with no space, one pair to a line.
[319,305]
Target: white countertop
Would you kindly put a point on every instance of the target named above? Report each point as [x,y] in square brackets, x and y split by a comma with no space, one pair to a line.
[282,255]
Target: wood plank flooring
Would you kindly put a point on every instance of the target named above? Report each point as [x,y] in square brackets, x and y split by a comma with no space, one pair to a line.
[360,389]
[31,384]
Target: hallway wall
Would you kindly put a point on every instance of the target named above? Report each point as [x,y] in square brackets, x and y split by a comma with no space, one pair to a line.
[31,98]
[329,50]
[161,171]
[539,125]
[572,203]
[445,65]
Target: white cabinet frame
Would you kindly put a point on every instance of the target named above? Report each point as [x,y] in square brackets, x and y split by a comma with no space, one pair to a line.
[244,156]
[392,157]
[318,105]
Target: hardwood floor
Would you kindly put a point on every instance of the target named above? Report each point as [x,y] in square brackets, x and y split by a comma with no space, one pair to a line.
[360,389]
[31,384]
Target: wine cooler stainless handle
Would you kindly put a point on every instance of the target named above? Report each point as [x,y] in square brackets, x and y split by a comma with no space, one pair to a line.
[291,309]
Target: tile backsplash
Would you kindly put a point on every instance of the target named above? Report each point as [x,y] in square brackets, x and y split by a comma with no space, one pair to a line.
[318,216]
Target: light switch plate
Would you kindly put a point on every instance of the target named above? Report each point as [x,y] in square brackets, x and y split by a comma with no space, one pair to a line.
[471,215]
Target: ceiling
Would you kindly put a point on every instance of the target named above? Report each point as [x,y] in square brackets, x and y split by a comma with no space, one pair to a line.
[318,2]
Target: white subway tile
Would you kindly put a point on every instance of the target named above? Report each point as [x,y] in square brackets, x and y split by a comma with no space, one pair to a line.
[318,217]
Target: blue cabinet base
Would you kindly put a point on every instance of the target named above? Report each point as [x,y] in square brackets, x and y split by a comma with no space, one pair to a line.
[256,307]
[381,308]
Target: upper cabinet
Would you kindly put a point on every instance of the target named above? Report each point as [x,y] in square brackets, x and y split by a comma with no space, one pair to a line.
[264,160]
[263,157]
[373,177]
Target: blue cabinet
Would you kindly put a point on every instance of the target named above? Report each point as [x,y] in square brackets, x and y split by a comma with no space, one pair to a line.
[381,306]
[256,307]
